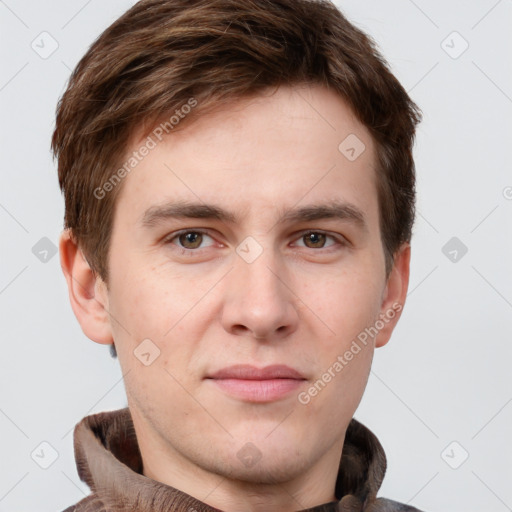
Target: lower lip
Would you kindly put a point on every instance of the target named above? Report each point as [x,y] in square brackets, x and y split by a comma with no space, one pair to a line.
[258,390]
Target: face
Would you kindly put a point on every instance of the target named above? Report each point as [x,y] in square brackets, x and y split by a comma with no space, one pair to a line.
[250,238]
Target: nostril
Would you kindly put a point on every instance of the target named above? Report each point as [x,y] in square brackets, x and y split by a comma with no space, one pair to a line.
[239,328]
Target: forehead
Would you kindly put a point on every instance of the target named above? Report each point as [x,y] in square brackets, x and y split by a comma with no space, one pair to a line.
[258,156]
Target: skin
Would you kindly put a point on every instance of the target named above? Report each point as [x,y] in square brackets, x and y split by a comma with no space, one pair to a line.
[298,303]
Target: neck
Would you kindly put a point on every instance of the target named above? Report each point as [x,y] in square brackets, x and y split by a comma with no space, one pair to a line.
[231,495]
[310,483]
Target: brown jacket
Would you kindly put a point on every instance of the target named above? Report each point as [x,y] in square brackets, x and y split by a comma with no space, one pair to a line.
[109,461]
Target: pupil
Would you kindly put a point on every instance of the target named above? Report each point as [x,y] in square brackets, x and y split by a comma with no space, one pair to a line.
[316,239]
[191,240]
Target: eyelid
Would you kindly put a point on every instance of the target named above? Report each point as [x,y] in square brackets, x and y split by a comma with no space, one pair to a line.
[339,239]
[176,234]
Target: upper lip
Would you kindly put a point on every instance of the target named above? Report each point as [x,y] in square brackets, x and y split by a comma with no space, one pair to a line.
[249,372]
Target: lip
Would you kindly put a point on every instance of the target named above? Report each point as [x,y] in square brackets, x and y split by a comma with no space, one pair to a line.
[252,384]
[249,372]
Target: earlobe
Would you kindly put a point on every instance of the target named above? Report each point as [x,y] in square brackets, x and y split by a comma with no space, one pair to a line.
[394,294]
[87,291]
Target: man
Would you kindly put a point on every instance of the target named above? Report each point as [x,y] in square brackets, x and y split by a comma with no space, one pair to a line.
[239,194]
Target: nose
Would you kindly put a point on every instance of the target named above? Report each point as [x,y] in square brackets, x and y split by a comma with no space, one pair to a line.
[258,301]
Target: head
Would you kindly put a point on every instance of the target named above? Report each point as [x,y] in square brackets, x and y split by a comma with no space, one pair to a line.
[239,189]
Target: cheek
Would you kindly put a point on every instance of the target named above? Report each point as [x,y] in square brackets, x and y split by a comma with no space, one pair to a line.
[347,302]
[146,300]
[334,395]
[349,305]
[154,311]
[137,310]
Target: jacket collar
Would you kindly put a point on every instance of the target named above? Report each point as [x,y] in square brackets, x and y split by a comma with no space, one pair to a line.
[109,461]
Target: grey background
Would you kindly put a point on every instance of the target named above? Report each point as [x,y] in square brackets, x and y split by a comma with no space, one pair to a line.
[440,391]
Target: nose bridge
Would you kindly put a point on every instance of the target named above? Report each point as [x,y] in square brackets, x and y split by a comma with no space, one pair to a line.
[260,278]
[265,280]
[258,300]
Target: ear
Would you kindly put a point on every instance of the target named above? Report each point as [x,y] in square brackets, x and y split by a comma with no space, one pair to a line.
[87,292]
[394,295]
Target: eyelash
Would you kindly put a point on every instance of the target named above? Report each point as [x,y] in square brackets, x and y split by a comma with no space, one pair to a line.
[339,241]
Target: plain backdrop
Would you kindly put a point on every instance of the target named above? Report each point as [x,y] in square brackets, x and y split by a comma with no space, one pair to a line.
[439,396]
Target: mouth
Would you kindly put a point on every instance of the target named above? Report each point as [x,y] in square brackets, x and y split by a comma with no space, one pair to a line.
[252,384]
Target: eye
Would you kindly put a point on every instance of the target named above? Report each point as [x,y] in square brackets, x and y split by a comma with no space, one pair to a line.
[191,240]
[316,240]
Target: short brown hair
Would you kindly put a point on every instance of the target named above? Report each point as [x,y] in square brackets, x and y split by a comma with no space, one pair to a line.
[162,53]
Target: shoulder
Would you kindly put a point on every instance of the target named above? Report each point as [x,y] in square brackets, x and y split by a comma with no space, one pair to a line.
[384,505]
[89,504]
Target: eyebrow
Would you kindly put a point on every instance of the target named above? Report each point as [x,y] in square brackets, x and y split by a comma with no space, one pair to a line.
[332,210]
[183,210]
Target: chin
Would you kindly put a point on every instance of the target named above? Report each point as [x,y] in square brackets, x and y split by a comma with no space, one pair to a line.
[270,472]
